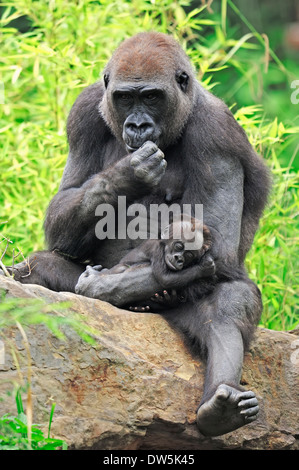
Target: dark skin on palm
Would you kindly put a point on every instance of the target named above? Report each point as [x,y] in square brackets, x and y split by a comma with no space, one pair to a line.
[150,132]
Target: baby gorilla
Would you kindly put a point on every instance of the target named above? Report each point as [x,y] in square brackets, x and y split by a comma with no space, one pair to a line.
[177,260]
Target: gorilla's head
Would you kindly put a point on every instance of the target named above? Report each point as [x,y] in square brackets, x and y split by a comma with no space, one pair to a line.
[149,87]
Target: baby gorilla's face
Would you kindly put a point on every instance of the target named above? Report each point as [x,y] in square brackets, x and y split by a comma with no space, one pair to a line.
[176,257]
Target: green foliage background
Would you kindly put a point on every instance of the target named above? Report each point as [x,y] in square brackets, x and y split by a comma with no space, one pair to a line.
[64,50]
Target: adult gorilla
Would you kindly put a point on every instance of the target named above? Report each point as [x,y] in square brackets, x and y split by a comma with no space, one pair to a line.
[149,111]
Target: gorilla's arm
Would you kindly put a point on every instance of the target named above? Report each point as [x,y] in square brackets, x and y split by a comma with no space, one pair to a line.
[229,179]
[70,221]
[222,212]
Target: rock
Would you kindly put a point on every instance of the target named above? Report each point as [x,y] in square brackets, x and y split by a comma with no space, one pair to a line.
[138,387]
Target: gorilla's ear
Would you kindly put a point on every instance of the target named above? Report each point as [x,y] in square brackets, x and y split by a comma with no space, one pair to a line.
[106,79]
[182,78]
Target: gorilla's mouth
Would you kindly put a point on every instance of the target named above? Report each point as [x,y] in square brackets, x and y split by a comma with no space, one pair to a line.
[135,140]
[132,147]
[172,266]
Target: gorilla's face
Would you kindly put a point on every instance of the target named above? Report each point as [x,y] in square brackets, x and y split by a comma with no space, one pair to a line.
[143,110]
[140,111]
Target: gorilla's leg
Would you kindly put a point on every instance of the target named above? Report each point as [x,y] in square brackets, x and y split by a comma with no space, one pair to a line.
[48,269]
[228,407]
[221,327]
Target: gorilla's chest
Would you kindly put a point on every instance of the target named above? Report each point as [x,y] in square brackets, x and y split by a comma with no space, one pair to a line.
[170,189]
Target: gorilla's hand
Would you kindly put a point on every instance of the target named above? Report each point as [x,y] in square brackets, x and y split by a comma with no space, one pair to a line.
[206,267]
[149,164]
[168,298]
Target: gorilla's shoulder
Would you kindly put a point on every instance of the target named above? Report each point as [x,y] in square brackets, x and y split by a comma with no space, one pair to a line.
[90,94]
[205,101]
[87,103]
[214,126]
[84,116]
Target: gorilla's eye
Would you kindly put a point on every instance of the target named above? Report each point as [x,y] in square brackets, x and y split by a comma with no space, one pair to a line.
[124,97]
[151,96]
[179,246]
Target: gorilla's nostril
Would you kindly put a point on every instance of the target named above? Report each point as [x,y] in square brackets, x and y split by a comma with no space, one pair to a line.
[178,259]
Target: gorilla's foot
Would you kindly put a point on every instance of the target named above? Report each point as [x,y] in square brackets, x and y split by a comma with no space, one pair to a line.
[227,410]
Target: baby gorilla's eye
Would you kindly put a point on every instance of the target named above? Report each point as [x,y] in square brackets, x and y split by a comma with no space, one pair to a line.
[189,256]
[179,246]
